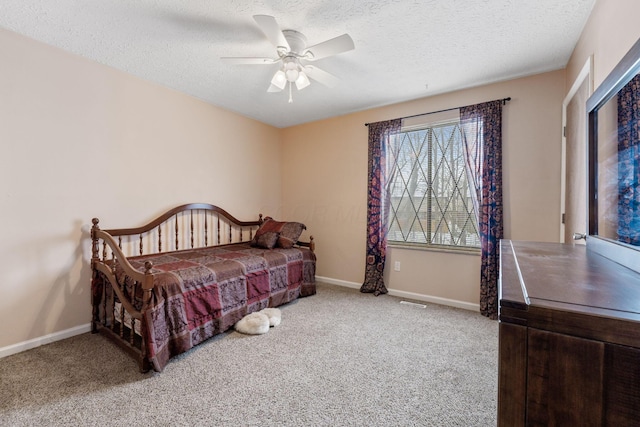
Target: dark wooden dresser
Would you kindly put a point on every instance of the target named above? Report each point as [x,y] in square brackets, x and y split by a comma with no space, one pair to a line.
[569,338]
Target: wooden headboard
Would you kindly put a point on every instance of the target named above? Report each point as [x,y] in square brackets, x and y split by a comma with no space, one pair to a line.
[188,226]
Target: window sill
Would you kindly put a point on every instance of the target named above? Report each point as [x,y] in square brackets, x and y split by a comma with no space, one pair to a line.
[452,250]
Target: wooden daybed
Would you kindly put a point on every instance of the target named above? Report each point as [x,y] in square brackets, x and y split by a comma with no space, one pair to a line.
[190,274]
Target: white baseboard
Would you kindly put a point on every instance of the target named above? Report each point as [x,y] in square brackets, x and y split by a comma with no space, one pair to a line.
[352,285]
[409,295]
[47,339]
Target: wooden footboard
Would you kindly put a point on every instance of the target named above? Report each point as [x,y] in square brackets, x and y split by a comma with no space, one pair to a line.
[119,305]
[107,292]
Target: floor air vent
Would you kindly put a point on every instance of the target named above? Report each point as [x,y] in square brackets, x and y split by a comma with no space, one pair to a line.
[415,304]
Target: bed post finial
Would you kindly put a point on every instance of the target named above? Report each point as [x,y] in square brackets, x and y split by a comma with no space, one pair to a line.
[94,245]
[312,244]
[260,220]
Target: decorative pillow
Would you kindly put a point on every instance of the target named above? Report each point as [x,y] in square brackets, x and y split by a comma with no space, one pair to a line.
[267,226]
[287,233]
[290,233]
[265,240]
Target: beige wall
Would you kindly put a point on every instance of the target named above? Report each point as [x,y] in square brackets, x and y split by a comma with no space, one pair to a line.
[331,198]
[611,30]
[81,140]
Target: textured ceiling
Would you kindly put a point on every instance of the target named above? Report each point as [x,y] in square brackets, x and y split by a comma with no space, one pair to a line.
[405,49]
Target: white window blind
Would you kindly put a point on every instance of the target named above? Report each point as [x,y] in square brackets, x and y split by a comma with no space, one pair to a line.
[431,203]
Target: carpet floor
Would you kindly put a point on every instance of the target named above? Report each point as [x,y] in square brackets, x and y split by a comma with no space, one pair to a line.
[339,358]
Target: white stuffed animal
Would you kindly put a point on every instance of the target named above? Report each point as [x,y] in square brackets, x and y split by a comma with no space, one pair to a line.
[253,324]
[274,315]
[259,322]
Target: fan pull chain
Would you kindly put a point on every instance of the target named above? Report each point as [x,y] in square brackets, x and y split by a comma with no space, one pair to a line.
[290,97]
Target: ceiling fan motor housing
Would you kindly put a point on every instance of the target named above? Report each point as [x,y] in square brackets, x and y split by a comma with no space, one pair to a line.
[297,41]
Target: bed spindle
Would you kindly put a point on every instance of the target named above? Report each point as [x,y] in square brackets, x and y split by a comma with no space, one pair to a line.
[205,229]
[121,320]
[230,235]
[141,251]
[113,299]
[104,250]
[177,233]
[160,238]
[120,242]
[132,331]
[104,305]
[105,296]
[218,234]
[191,231]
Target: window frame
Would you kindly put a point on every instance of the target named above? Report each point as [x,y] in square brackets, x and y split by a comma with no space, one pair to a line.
[428,246]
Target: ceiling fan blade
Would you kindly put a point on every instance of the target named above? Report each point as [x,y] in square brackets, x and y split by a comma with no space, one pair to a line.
[321,76]
[271,29]
[274,88]
[250,61]
[330,47]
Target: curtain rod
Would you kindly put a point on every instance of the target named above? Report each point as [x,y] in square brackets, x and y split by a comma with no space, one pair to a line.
[504,101]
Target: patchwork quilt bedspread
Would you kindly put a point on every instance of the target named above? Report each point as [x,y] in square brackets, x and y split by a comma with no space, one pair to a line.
[202,292]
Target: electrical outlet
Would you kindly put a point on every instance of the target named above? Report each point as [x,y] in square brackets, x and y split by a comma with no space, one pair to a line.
[396,266]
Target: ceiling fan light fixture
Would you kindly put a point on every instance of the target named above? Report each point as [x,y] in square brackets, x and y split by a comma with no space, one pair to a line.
[279,80]
[291,68]
[292,75]
[302,81]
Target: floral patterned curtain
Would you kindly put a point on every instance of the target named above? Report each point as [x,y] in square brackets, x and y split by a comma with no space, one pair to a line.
[378,204]
[481,126]
[629,163]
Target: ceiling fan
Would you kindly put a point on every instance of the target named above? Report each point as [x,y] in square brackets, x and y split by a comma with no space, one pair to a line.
[293,56]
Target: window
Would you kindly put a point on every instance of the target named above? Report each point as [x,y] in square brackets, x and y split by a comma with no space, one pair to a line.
[431,203]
